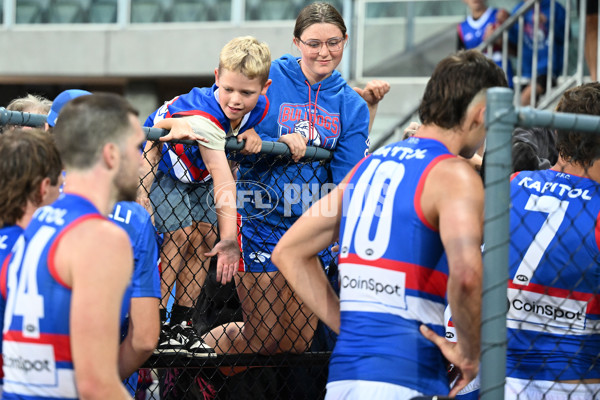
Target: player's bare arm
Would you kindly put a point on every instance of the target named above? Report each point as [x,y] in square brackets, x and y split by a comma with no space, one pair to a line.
[227,250]
[296,256]
[453,201]
[98,284]
[142,335]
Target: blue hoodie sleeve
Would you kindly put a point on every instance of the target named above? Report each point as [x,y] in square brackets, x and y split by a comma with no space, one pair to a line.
[353,145]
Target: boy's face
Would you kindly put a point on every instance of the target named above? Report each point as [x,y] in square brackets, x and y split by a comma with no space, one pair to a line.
[238,94]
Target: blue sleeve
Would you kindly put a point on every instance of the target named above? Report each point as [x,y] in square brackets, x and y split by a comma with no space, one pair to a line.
[513,32]
[353,143]
[146,278]
[150,120]
[559,25]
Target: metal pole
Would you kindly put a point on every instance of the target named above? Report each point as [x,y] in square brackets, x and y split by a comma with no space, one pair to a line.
[519,63]
[581,43]
[347,59]
[597,49]
[551,40]
[409,43]
[500,120]
[10,13]
[567,37]
[123,13]
[534,58]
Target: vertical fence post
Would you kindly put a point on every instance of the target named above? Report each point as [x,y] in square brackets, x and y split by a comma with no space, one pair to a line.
[500,120]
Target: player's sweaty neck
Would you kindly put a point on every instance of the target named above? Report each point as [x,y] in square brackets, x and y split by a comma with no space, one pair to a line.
[452,139]
[92,186]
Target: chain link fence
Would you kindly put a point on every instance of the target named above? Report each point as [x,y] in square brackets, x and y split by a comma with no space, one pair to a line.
[539,331]
[287,358]
[562,313]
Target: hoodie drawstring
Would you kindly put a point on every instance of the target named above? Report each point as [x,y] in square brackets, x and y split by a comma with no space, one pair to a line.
[312,123]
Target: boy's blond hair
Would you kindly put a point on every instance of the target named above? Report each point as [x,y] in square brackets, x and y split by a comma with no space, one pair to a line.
[246,55]
[31,103]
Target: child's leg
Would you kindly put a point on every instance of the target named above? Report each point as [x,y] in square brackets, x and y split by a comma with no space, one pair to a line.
[200,240]
[172,256]
[274,319]
[192,276]
[171,204]
[261,307]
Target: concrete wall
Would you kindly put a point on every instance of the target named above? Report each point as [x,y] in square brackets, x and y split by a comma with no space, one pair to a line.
[97,51]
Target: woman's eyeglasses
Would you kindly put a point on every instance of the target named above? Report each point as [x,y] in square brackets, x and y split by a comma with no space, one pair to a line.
[314,46]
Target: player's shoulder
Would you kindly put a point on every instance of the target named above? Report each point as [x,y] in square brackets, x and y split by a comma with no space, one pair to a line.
[99,232]
[453,171]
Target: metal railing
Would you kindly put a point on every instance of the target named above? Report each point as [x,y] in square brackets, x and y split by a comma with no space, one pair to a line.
[274,148]
[565,81]
[552,93]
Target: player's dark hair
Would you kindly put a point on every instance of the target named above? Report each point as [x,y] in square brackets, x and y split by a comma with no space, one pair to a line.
[579,147]
[87,123]
[318,13]
[27,157]
[455,82]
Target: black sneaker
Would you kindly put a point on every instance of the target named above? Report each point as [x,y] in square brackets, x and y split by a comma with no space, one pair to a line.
[192,343]
[168,341]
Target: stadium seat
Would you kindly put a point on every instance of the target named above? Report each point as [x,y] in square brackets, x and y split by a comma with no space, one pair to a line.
[103,11]
[276,10]
[29,12]
[188,11]
[146,11]
[66,12]
[218,10]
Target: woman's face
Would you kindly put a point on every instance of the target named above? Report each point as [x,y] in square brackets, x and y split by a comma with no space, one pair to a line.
[322,47]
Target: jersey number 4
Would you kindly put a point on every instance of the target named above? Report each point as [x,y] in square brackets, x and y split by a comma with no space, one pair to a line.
[24,299]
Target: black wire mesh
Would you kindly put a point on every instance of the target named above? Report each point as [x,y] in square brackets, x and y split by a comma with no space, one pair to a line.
[283,352]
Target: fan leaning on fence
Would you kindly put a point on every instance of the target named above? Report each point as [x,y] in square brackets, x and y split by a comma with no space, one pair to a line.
[395,214]
[181,193]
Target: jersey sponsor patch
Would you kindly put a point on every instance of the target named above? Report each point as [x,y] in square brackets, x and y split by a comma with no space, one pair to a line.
[29,363]
[543,309]
[365,288]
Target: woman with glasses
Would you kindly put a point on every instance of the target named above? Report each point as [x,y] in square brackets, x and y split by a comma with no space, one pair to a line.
[310,104]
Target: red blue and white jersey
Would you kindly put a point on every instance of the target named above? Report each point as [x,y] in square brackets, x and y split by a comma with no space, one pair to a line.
[543,36]
[36,349]
[9,235]
[471,32]
[182,162]
[554,278]
[391,280]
